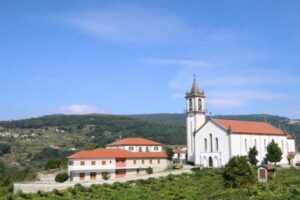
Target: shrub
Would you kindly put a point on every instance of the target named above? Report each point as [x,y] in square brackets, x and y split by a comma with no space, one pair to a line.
[4,148]
[149,170]
[169,152]
[62,177]
[252,156]
[105,175]
[53,163]
[238,172]
[274,152]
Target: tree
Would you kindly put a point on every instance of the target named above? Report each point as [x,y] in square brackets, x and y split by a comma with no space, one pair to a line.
[62,177]
[252,156]
[274,153]
[169,152]
[53,163]
[105,175]
[4,148]
[149,170]
[238,172]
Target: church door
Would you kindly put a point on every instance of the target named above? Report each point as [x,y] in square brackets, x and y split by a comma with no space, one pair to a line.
[210,162]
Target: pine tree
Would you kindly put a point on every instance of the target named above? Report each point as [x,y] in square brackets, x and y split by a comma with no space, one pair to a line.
[252,156]
[274,152]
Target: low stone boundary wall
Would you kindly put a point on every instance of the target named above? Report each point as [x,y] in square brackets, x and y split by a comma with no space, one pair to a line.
[32,187]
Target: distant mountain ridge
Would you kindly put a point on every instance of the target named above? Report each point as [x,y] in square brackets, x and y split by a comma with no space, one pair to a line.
[168,128]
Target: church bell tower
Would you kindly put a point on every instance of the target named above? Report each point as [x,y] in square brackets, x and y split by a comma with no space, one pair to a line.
[195,117]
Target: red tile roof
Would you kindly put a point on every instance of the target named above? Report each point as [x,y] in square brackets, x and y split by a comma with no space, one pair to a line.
[134,141]
[179,151]
[116,153]
[249,127]
[290,136]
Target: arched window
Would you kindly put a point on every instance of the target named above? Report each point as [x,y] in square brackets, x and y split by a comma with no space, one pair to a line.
[246,146]
[190,104]
[211,143]
[265,145]
[217,144]
[255,142]
[200,104]
[282,145]
[205,144]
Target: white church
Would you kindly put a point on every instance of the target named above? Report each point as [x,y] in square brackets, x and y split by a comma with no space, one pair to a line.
[212,142]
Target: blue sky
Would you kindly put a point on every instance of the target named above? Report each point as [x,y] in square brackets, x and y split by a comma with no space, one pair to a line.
[128,57]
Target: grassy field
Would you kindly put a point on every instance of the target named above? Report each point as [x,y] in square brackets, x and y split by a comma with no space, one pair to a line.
[206,184]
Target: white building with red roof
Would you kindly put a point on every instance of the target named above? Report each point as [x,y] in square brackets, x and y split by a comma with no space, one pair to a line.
[211,143]
[127,157]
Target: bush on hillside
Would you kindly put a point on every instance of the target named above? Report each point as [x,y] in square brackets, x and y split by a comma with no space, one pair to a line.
[238,172]
[4,149]
[54,163]
[149,170]
[62,177]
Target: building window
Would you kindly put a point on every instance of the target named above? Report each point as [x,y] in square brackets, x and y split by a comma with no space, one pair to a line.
[211,143]
[255,143]
[246,147]
[103,162]
[70,162]
[130,148]
[147,149]
[137,171]
[282,145]
[217,144]
[265,145]
[93,162]
[200,104]
[205,144]
[134,162]
[143,161]
[140,149]
[155,148]
[81,176]
[93,175]
[82,163]
[158,161]
[150,161]
[190,104]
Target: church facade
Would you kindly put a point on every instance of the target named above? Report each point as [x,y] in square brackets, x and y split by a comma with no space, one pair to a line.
[212,142]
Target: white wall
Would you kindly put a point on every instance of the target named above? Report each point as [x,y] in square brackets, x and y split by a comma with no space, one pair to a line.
[291,146]
[220,156]
[136,148]
[243,142]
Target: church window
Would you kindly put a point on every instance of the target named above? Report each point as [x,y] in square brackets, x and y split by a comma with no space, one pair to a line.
[255,142]
[200,104]
[217,144]
[205,144]
[211,143]
[190,104]
[265,145]
[282,145]
[246,146]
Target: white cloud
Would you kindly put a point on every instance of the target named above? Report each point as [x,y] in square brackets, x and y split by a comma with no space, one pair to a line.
[79,109]
[178,95]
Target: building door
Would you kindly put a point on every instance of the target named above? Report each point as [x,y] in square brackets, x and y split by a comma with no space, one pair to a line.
[120,173]
[81,176]
[137,171]
[210,162]
[93,175]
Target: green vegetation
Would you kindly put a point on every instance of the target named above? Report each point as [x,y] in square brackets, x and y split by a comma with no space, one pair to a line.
[62,177]
[169,152]
[274,153]
[202,185]
[4,149]
[252,156]
[149,170]
[238,172]
[105,175]
[54,163]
